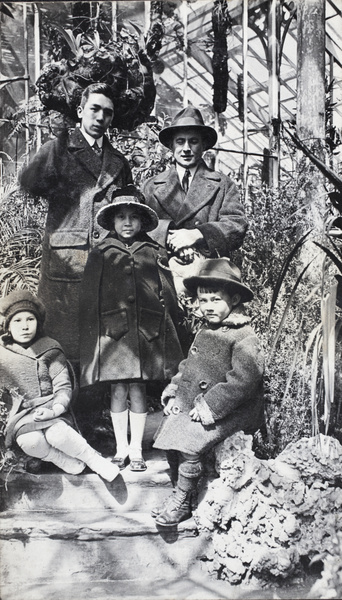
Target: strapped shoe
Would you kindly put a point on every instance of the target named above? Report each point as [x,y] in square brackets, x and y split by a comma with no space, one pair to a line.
[120,462]
[137,464]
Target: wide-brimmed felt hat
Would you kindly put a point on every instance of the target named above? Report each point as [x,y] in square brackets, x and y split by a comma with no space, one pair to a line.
[20,301]
[188,117]
[219,271]
[127,196]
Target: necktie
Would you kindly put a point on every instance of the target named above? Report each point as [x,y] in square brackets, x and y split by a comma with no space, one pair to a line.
[185,181]
[97,148]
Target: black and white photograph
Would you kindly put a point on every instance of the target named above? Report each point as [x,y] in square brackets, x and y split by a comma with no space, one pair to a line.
[171,300]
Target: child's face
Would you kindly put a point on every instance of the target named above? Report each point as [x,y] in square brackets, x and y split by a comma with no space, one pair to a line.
[127,223]
[216,306]
[23,327]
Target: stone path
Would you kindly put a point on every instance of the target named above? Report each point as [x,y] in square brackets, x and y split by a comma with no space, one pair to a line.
[67,537]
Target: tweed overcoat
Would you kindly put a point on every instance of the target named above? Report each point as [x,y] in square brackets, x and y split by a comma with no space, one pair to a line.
[211,205]
[40,376]
[76,183]
[222,376]
[128,313]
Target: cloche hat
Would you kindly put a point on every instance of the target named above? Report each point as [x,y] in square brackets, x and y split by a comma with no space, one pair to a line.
[219,271]
[188,117]
[18,301]
[127,196]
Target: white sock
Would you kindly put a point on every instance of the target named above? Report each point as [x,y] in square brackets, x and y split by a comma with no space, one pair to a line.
[120,425]
[137,423]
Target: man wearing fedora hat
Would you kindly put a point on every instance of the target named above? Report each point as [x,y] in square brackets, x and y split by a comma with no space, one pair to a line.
[199,209]
[218,389]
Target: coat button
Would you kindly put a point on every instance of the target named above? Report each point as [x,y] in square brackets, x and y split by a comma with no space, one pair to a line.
[131,299]
[203,385]
[193,350]
[96,235]
[128,270]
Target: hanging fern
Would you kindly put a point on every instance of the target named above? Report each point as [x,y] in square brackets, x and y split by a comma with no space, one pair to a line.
[221,26]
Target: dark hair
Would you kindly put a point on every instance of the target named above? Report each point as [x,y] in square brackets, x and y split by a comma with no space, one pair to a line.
[213,288]
[96,88]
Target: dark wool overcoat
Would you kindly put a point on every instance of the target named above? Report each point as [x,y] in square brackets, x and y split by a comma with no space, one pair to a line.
[76,183]
[211,205]
[40,376]
[128,314]
[222,377]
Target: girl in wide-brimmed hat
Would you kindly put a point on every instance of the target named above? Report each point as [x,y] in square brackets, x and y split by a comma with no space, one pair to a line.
[35,382]
[128,318]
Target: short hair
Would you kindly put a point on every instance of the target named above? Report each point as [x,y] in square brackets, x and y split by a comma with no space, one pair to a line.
[96,88]
[213,288]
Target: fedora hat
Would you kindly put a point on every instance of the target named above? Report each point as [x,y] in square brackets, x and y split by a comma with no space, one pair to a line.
[188,117]
[220,271]
[127,196]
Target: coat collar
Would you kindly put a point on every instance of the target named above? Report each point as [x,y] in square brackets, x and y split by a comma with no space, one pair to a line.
[171,197]
[111,241]
[104,170]
[39,347]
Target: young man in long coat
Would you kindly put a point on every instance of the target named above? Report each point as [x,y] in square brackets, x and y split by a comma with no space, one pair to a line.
[198,208]
[77,177]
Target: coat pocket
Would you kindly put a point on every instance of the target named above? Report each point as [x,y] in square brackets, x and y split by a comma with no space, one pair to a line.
[149,323]
[114,323]
[68,253]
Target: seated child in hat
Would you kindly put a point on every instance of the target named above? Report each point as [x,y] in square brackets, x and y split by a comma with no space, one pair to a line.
[129,318]
[35,382]
[218,388]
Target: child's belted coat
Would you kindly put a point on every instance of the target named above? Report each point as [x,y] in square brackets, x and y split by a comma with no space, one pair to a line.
[40,376]
[128,314]
[222,377]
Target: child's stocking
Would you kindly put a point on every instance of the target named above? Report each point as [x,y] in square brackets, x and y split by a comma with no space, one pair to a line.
[137,423]
[120,425]
[67,463]
[72,443]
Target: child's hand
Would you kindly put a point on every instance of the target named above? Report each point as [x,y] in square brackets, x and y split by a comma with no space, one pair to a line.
[194,415]
[168,408]
[43,414]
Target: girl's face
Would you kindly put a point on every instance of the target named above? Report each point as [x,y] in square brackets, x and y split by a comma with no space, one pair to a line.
[23,327]
[216,306]
[127,223]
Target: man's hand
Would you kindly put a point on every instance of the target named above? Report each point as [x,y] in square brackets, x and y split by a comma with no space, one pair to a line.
[194,415]
[183,238]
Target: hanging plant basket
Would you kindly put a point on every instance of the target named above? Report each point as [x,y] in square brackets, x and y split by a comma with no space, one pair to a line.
[121,63]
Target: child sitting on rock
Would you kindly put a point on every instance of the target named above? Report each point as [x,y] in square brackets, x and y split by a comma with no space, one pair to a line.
[34,378]
[218,388]
[128,318]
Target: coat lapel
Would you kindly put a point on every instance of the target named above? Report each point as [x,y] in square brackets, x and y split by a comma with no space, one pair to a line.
[81,150]
[202,189]
[175,203]
[111,165]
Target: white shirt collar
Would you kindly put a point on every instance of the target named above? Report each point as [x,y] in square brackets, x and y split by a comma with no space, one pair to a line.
[181,170]
[91,141]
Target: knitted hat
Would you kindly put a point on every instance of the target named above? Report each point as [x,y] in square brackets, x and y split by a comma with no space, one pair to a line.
[18,301]
[219,271]
[188,117]
[127,196]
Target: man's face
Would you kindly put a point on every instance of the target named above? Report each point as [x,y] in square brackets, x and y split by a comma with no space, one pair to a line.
[96,115]
[188,147]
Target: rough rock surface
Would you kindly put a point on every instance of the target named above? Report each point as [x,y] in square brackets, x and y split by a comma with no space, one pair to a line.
[270,516]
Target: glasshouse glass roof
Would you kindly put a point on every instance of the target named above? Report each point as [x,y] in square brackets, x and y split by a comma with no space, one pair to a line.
[185,73]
